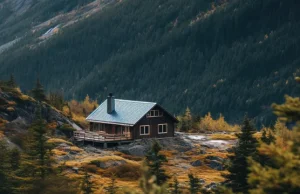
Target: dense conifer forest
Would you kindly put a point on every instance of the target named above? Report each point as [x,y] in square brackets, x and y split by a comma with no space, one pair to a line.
[227,57]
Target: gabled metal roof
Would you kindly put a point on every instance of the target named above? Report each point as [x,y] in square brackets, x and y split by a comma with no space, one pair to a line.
[126,112]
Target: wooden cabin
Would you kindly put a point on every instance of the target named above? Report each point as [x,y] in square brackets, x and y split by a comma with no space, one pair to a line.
[123,120]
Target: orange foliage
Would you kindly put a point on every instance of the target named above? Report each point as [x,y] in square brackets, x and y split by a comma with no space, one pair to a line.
[83,108]
[209,124]
[283,134]
[80,110]
[52,125]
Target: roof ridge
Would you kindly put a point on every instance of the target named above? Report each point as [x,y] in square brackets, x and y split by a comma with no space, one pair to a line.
[136,101]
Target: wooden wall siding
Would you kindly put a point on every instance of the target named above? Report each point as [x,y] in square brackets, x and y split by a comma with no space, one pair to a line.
[154,122]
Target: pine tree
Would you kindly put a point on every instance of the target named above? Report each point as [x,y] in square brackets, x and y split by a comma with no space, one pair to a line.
[187,120]
[36,162]
[12,82]
[148,183]
[38,92]
[194,184]
[38,147]
[246,147]
[175,186]
[15,159]
[112,188]
[87,184]
[5,183]
[284,174]
[56,99]
[155,161]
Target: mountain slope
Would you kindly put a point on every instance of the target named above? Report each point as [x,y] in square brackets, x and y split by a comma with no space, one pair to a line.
[28,19]
[231,57]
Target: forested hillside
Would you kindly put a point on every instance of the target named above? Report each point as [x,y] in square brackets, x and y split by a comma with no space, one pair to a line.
[18,16]
[227,57]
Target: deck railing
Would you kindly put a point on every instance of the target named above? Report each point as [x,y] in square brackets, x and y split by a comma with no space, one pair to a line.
[99,136]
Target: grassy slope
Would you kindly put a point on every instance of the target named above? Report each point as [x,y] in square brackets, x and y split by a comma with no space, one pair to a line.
[233,59]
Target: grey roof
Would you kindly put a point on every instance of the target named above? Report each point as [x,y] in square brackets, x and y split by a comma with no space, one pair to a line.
[126,112]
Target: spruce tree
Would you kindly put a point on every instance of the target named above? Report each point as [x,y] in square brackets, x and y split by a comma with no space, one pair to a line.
[5,180]
[15,159]
[155,161]
[175,186]
[56,99]
[148,183]
[239,167]
[38,147]
[38,92]
[36,162]
[194,184]
[186,120]
[12,82]
[87,184]
[112,188]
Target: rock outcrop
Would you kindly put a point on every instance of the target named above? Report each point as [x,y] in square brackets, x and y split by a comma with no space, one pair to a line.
[19,111]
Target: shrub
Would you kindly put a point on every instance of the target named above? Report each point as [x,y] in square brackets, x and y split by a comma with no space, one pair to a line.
[209,124]
[95,162]
[127,171]
[90,168]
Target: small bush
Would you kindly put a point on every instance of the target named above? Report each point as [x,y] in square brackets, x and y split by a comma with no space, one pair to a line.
[95,162]
[126,171]
[66,128]
[91,168]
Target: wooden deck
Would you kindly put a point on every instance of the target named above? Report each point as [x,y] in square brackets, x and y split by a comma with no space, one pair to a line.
[100,137]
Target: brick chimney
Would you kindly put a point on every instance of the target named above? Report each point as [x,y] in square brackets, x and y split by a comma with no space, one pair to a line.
[110,103]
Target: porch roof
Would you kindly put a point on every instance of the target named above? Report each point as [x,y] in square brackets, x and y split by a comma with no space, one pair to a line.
[126,112]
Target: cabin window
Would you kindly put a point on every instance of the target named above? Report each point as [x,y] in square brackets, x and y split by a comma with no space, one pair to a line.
[162,128]
[145,129]
[155,113]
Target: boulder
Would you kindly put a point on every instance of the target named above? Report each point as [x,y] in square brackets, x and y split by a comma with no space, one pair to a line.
[211,186]
[230,150]
[17,124]
[201,181]
[65,158]
[196,163]
[75,169]
[92,149]
[215,158]
[137,150]
[111,163]
[215,165]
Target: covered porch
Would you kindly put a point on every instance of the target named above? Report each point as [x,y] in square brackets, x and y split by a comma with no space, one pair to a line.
[100,132]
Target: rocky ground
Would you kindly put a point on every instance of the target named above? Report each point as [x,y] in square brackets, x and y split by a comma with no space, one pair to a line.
[204,155]
[18,110]
[186,153]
